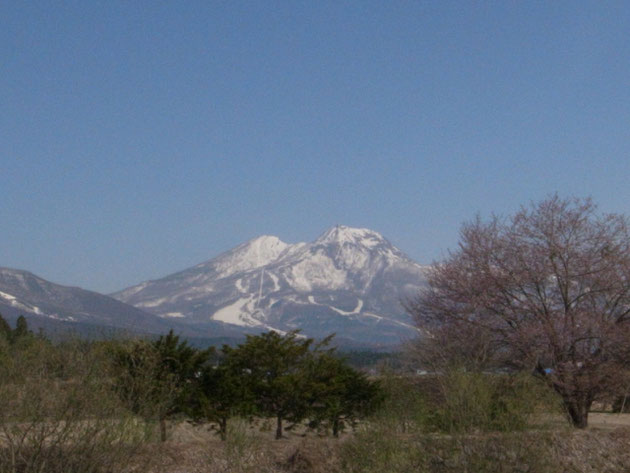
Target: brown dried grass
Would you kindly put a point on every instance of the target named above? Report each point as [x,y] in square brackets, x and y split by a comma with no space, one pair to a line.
[551,451]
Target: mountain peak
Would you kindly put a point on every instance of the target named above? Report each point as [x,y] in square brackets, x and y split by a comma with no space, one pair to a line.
[265,238]
[265,246]
[341,234]
[252,254]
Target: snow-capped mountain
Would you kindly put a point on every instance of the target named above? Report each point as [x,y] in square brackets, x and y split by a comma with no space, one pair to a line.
[349,280]
[46,303]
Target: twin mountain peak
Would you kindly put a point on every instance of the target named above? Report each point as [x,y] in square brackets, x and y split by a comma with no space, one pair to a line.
[349,280]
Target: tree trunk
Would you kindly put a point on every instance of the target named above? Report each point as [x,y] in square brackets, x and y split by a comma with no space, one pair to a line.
[336,427]
[223,427]
[279,427]
[163,429]
[577,409]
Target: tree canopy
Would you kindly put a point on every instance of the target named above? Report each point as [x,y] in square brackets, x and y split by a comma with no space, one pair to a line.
[340,394]
[274,367]
[288,377]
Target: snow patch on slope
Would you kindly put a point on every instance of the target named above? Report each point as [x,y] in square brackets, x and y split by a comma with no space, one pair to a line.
[238,313]
[275,279]
[6,296]
[316,272]
[239,285]
[20,305]
[153,302]
[356,310]
[173,314]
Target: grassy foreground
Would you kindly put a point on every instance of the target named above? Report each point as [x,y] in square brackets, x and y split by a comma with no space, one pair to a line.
[196,450]
[61,411]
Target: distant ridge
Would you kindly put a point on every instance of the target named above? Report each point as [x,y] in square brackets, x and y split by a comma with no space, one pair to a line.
[49,304]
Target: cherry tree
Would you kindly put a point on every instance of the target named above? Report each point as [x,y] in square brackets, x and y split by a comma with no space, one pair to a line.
[547,290]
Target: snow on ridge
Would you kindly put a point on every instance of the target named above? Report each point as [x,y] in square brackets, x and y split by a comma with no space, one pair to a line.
[253,254]
[342,234]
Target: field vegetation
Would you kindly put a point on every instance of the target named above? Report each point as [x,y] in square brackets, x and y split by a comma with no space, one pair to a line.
[162,406]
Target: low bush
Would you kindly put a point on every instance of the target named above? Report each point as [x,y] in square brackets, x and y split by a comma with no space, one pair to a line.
[374,450]
[484,402]
[459,401]
[58,412]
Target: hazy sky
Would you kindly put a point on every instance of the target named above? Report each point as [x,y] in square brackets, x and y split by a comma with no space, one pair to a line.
[140,138]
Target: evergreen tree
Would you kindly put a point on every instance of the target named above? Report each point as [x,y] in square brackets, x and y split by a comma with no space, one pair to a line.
[340,393]
[5,329]
[223,393]
[21,328]
[180,366]
[274,368]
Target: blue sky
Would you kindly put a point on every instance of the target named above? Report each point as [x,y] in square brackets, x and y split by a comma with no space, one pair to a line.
[140,138]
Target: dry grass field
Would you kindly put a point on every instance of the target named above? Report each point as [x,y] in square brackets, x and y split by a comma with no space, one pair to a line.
[602,448]
[608,421]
